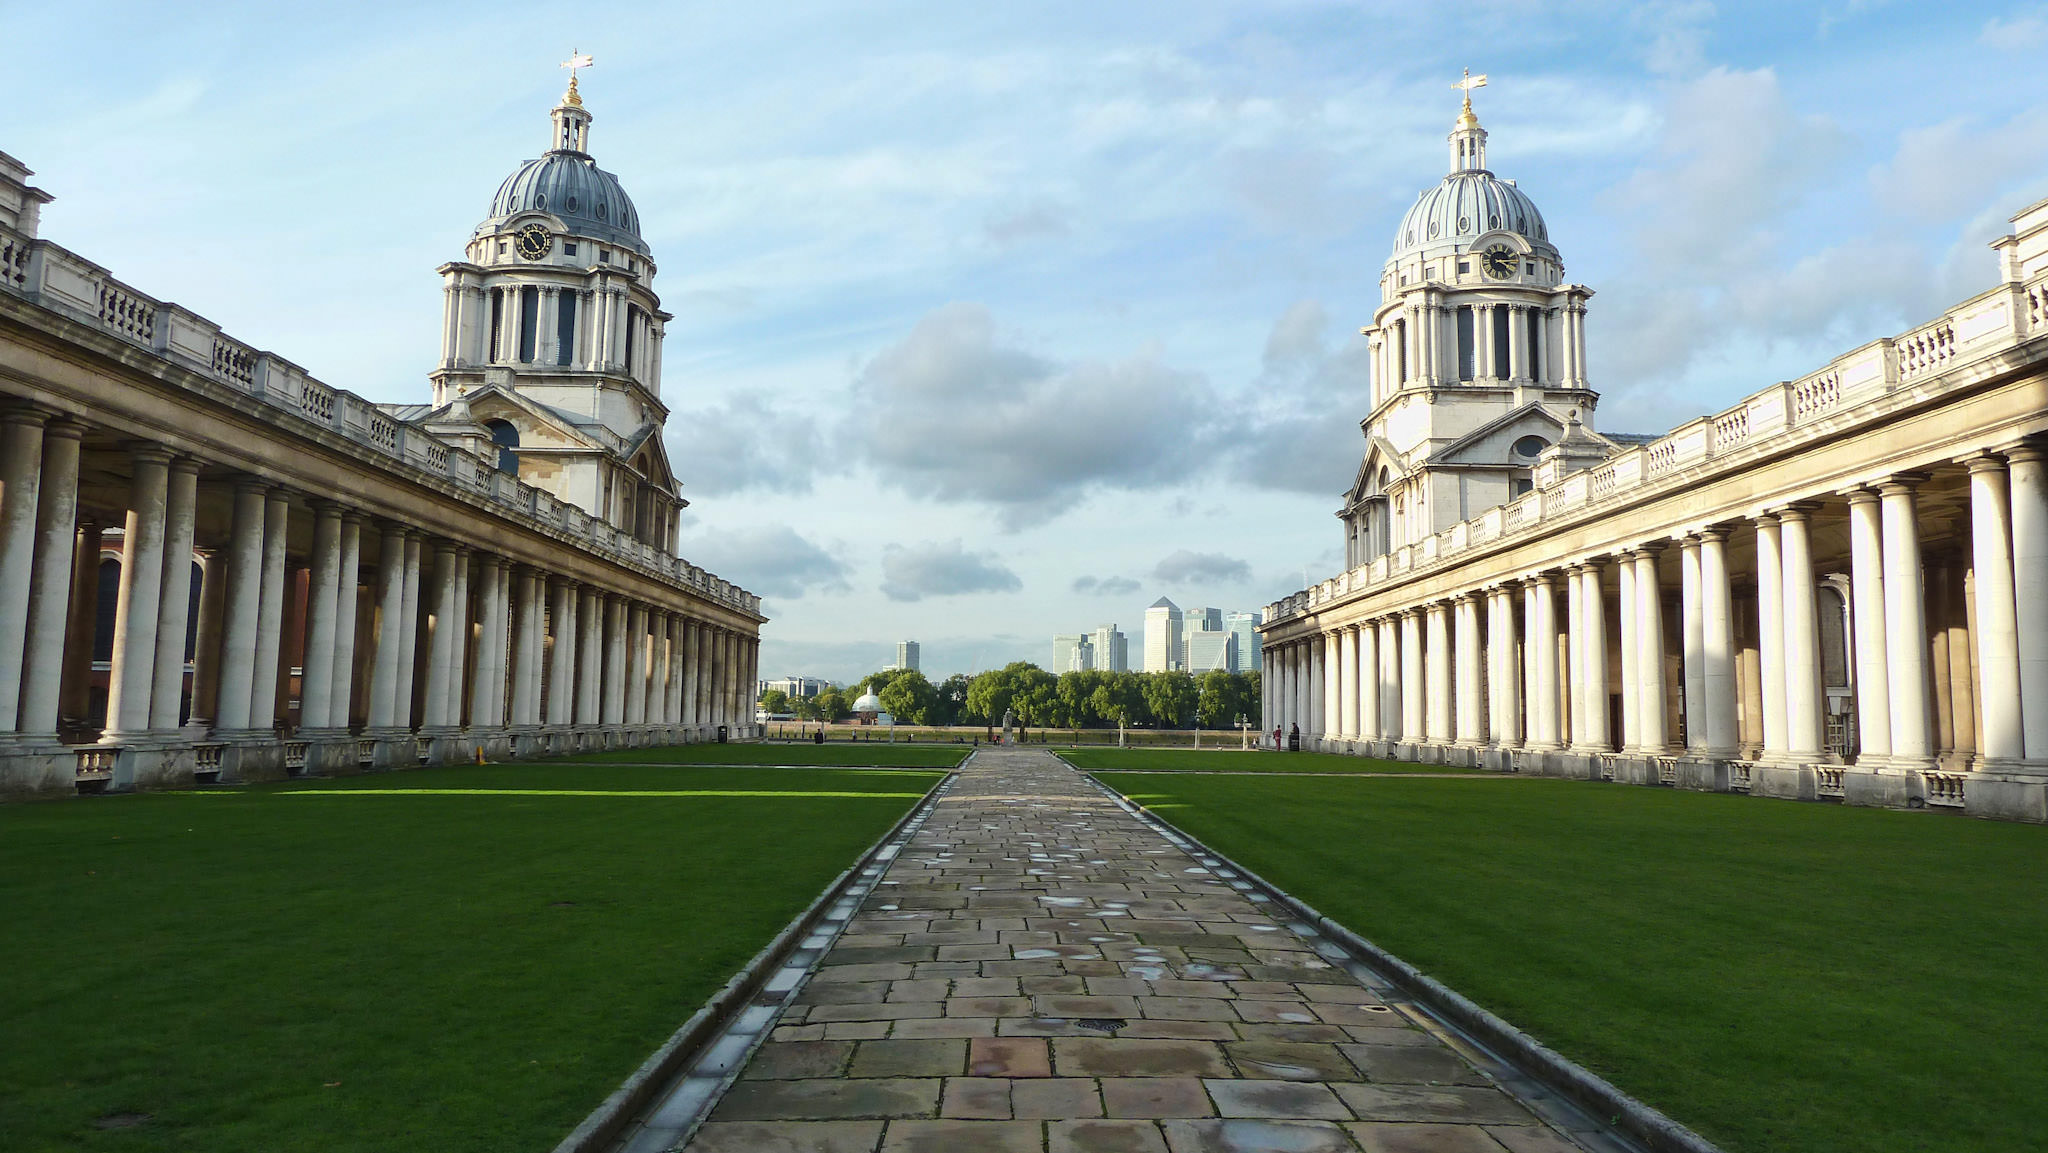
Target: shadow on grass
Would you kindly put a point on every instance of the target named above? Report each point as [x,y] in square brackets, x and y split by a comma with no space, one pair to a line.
[444,968]
[1237,761]
[1776,975]
[845,753]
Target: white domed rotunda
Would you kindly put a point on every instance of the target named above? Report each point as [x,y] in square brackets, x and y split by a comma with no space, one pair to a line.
[1478,359]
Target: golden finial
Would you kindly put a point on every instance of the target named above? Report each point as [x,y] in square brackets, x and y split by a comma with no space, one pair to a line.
[1465,118]
[584,60]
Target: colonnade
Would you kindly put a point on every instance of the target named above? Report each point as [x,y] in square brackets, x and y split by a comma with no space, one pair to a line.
[1657,661]
[312,636]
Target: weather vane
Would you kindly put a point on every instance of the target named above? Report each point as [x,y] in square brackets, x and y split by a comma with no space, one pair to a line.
[1468,84]
[584,60]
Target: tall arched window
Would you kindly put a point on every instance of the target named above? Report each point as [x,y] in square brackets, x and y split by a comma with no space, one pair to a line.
[507,439]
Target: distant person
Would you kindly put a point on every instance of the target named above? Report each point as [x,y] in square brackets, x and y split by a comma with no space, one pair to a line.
[1294,738]
[818,738]
[1276,738]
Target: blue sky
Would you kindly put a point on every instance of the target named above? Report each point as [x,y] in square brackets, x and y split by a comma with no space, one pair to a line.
[997,321]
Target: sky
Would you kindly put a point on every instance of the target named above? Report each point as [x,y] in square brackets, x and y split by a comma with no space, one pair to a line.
[999,321]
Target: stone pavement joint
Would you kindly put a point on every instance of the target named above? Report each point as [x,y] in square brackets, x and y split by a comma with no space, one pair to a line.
[1041,971]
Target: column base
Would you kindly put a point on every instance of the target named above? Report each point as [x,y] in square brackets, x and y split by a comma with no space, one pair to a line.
[38,767]
[2010,791]
[328,753]
[150,761]
[245,756]
[390,748]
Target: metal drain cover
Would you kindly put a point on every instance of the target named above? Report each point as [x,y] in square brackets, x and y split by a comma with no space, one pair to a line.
[1102,1024]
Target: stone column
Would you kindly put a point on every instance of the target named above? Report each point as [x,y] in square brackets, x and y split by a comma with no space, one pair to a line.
[590,659]
[206,642]
[174,601]
[1346,680]
[1414,702]
[243,609]
[390,604]
[672,669]
[440,663]
[1717,643]
[348,591]
[1598,737]
[2001,736]
[1866,591]
[1540,662]
[1503,671]
[613,705]
[1391,707]
[21,478]
[1368,642]
[692,673]
[315,703]
[636,664]
[1651,709]
[1692,618]
[1770,602]
[1437,665]
[270,611]
[1805,727]
[81,622]
[462,638]
[562,679]
[2029,476]
[1631,672]
[408,630]
[1576,685]
[49,602]
[1471,721]
[137,610]
[526,642]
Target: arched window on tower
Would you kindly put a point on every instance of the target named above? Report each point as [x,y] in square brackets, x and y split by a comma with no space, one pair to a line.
[507,439]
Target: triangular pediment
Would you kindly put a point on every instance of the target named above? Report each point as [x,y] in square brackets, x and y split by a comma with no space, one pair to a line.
[541,428]
[1493,442]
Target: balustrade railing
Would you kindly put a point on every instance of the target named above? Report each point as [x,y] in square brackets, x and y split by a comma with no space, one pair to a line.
[1827,781]
[1945,790]
[1982,326]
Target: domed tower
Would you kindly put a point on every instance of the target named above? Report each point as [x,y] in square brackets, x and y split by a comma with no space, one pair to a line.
[551,337]
[1478,356]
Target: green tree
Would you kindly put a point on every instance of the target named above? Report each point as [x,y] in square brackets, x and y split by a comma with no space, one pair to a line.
[949,707]
[1223,696]
[775,701]
[1077,697]
[1120,698]
[991,693]
[1036,696]
[831,705]
[1172,697]
[909,697]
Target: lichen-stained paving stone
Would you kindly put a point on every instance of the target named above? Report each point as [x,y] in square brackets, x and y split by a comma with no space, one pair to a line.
[1040,971]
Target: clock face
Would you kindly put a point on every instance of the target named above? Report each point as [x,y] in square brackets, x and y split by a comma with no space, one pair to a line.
[534,242]
[1499,261]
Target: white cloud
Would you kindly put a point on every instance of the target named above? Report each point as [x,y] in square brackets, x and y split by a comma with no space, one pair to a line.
[743,443]
[2019,33]
[940,569]
[1105,586]
[768,560]
[1201,568]
[953,414]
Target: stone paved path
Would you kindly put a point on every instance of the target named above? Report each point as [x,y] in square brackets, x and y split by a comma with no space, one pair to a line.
[1040,971]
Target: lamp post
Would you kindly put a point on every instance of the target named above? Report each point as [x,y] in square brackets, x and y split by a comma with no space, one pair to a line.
[1244,732]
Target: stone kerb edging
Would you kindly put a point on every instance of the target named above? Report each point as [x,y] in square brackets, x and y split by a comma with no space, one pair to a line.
[605,1124]
[1577,1084]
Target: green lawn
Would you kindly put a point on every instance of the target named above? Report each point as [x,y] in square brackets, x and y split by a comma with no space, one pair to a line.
[1779,976]
[1236,761]
[871,754]
[442,960]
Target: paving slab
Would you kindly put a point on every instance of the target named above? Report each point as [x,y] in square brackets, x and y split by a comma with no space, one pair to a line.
[1040,970]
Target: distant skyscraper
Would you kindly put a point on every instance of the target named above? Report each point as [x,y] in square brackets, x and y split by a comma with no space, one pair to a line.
[1211,650]
[906,654]
[1202,620]
[797,686]
[1072,653]
[1112,650]
[1245,627]
[1163,650]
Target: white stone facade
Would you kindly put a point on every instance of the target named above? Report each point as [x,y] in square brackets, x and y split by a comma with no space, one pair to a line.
[1837,588]
[306,581]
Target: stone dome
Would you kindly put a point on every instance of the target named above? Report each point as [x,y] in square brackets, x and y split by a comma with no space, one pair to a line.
[571,186]
[1465,206]
[868,703]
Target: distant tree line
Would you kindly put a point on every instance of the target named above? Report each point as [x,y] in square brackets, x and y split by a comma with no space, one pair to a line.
[1038,699]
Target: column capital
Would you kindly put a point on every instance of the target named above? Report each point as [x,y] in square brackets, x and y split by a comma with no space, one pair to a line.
[2019,451]
[24,413]
[191,464]
[66,427]
[1986,461]
[1798,510]
[1862,494]
[1901,482]
[139,449]
[1650,549]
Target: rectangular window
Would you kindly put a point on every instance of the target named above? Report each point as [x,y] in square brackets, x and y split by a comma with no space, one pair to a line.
[568,248]
[1535,317]
[565,327]
[497,322]
[603,256]
[529,322]
[1465,342]
[1464,266]
[1401,349]
[632,330]
[1502,334]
